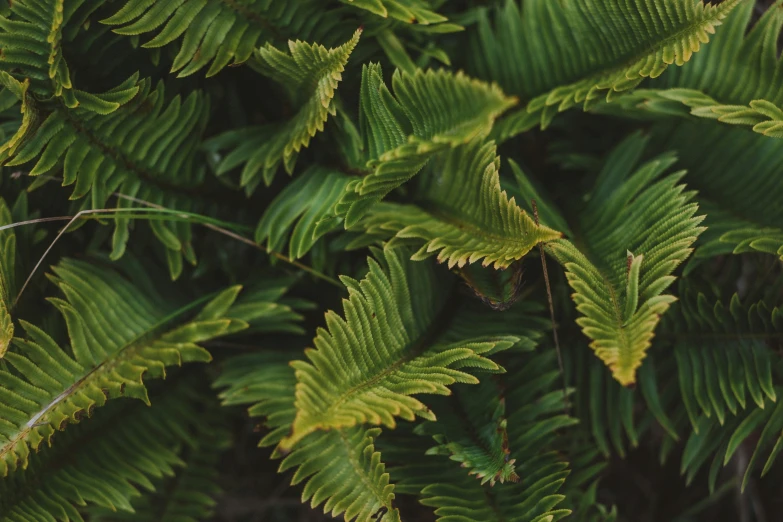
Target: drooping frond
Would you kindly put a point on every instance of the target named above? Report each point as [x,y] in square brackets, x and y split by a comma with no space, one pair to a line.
[721,84]
[221,32]
[535,414]
[462,214]
[402,131]
[341,467]
[104,462]
[308,201]
[634,232]
[737,174]
[471,429]
[554,55]
[392,344]
[310,75]
[606,407]
[722,354]
[118,333]
[146,149]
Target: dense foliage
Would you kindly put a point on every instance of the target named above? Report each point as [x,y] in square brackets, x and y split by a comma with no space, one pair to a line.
[454,260]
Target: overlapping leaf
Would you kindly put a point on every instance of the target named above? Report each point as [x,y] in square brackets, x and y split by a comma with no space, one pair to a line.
[105,462]
[118,333]
[220,33]
[635,230]
[402,131]
[740,188]
[462,214]
[555,55]
[734,80]
[310,75]
[392,344]
[341,468]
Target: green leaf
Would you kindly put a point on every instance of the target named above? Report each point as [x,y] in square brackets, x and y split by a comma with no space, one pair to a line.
[409,11]
[103,463]
[402,131]
[393,343]
[471,429]
[220,33]
[462,214]
[340,467]
[118,333]
[7,278]
[719,85]
[628,211]
[308,201]
[310,74]
[554,55]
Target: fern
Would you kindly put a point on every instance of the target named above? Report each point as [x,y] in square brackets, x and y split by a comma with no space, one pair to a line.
[363,490]
[572,52]
[471,429]
[114,341]
[218,32]
[60,478]
[542,474]
[709,89]
[721,353]
[309,201]
[404,329]
[410,11]
[619,278]
[401,132]
[741,217]
[463,377]
[7,278]
[311,74]
[189,493]
[463,215]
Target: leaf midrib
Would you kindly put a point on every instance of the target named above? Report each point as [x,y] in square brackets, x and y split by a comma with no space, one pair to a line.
[143,338]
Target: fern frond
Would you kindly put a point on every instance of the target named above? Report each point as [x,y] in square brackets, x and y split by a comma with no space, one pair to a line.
[341,467]
[737,174]
[262,305]
[189,495]
[32,40]
[719,84]
[392,344]
[323,457]
[118,333]
[572,52]
[104,462]
[221,32]
[462,214]
[471,429]
[409,11]
[402,131]
[534,415]
[146,149]
[7,278]
[310,74]
[635,231]
[721,442]
[722,354]
[308,201]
